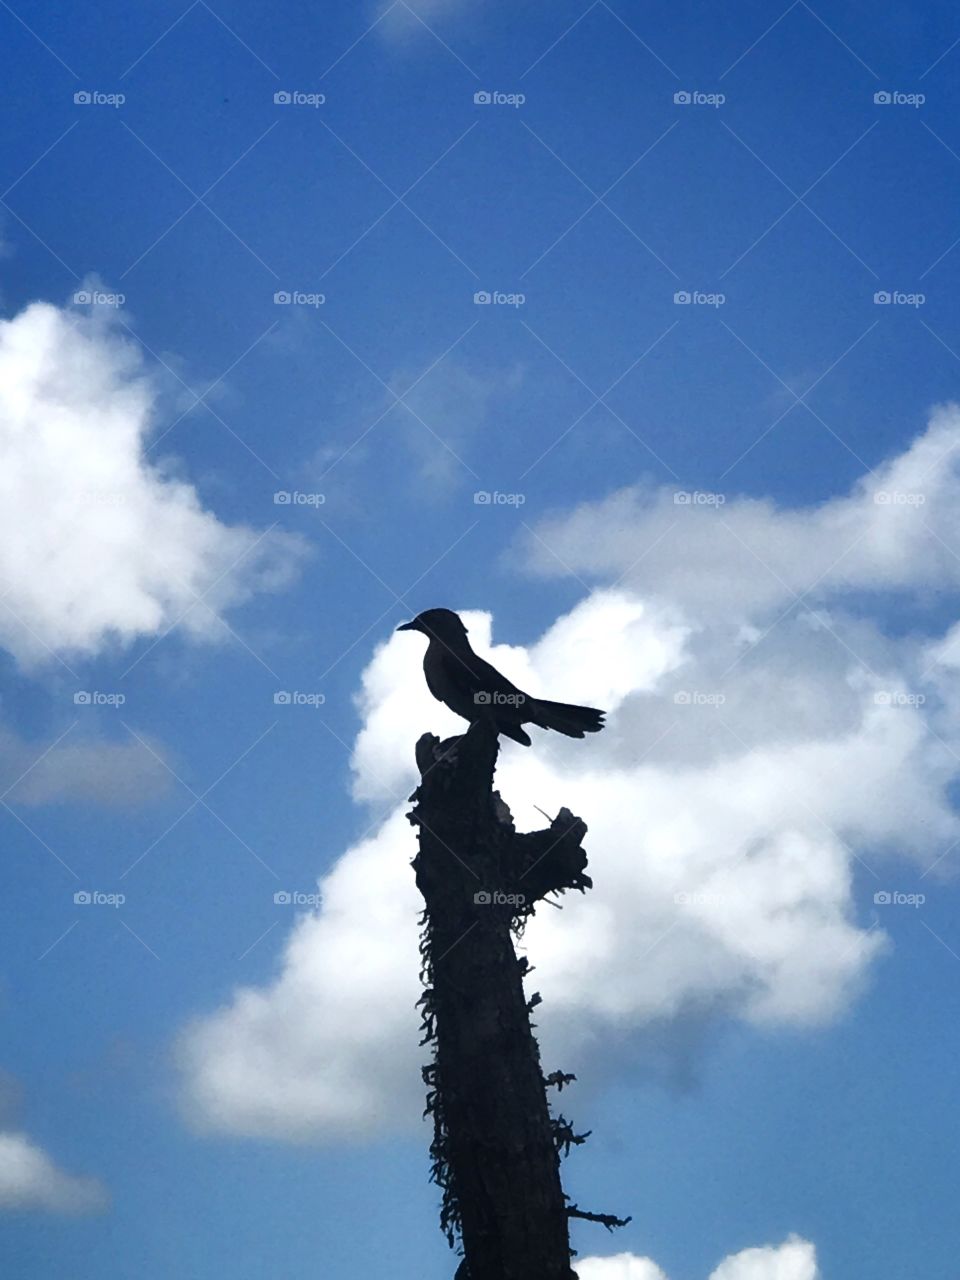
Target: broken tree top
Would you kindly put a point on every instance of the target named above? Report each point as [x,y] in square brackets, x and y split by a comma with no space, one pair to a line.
[457,778]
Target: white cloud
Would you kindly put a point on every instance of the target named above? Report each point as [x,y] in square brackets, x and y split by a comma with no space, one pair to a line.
[795,1259]
[620,1266]
[723,835]
[29,1179]
[330,1047]
[748,555]
[99,544]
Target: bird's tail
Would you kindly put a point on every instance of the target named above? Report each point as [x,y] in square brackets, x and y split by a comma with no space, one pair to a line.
[566,718]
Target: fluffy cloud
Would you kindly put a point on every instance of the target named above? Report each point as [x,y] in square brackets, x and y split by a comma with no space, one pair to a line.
[794,1260]
[329,1049]
[29,1179]
[897,530]
[754,756]
[97,543]
[620,1266]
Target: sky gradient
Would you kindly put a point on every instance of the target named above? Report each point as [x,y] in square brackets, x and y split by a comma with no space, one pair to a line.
[629,331]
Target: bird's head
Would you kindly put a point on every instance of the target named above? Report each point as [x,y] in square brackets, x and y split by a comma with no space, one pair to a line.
[438,624]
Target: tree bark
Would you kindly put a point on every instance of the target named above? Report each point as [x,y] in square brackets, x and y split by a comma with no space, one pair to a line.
[496,1148]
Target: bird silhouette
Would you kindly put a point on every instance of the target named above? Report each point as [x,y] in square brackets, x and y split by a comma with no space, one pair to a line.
[473,689]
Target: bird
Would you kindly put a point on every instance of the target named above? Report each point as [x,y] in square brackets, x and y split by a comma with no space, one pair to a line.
[475,690]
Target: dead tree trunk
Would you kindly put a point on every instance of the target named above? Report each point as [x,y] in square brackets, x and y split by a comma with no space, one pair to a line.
[496,1149]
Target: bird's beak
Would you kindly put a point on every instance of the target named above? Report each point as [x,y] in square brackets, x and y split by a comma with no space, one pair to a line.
[408,626]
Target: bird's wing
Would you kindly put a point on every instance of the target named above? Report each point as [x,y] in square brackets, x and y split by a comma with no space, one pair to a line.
[456,679]
[489,678]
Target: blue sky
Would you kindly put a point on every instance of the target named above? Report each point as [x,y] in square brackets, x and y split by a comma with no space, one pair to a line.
[767,1050]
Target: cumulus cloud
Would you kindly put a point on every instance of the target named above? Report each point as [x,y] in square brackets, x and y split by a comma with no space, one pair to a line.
[795,1259]
[329,1049]
[30,1179]
[897,530]
[620,1266]
[754,759]
[99,544]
